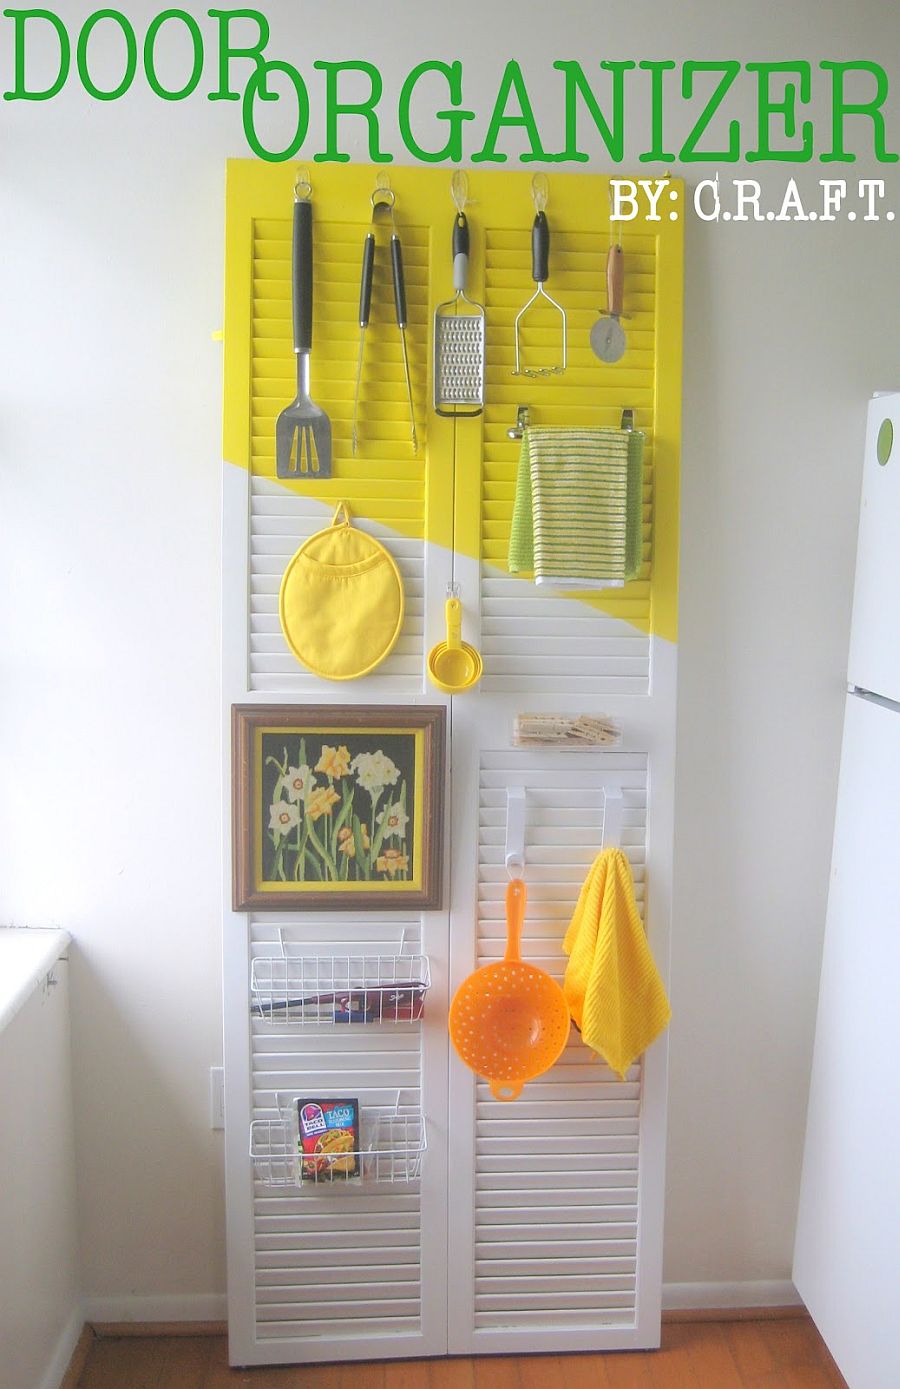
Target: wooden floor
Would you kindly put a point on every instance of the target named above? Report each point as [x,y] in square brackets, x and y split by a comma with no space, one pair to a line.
[770,1354]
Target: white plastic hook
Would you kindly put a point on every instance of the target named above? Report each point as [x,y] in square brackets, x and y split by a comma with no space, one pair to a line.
[612,817]
[515,828]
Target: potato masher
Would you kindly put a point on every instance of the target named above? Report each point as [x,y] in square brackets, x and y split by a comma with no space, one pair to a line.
[540,273]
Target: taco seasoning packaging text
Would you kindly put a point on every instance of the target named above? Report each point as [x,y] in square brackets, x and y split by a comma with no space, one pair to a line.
[328,1139]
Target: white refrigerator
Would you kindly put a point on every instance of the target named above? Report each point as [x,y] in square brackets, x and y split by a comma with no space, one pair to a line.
[847,1254]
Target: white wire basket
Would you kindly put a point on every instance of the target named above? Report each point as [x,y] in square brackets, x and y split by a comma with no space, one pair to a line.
[392,1154]
[339,989]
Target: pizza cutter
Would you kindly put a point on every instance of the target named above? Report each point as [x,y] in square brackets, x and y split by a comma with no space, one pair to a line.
[607,334]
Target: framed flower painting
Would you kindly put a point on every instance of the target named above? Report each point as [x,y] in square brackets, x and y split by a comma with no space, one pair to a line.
[337,806]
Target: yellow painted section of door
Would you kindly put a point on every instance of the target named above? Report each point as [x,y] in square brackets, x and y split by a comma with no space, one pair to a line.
[647,379]
[457,491]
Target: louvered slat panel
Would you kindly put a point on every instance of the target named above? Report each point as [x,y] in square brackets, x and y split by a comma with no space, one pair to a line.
[385,481]
[556,1173]
[354,1264]
[533,638]
[344,1259]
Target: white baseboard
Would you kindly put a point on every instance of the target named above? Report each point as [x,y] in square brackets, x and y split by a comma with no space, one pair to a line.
[163,1307]
[214,1306]
[63,1351]
[698,1296]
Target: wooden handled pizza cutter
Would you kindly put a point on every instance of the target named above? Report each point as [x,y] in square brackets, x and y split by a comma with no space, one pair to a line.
[607,334]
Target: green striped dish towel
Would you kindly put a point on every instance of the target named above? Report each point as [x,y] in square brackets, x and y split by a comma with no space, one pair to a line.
[577,513]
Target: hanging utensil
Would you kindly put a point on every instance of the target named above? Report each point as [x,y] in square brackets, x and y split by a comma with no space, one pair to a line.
[540,273]
[454,665]
[302,430]
[509,1021]
[383,199]
[607,335]
[459,326]
[400,309]
[365,305]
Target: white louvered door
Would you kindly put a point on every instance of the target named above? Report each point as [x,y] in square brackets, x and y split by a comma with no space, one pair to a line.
[356,1271]
[556,1173]
[529,1226]
[556,1241]
[338,1263]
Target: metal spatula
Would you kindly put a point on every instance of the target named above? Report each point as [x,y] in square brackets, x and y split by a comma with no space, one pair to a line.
[303,430]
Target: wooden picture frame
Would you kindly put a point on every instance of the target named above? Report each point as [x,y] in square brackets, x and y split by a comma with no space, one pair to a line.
[337,807]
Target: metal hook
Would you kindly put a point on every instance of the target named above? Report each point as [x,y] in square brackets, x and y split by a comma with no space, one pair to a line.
[540,192]
[521,424]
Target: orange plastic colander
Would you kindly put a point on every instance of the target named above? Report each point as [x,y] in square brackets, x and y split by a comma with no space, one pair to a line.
[509,1021]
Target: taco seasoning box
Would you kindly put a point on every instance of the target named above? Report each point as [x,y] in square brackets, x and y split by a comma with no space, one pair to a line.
[328,1139]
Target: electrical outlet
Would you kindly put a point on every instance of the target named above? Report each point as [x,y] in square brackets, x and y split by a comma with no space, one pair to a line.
[216,1097]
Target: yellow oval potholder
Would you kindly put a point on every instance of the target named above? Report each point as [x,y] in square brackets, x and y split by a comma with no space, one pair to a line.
[341,601]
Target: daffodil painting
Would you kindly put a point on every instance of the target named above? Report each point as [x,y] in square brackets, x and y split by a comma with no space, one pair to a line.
[348,806]
[340,808]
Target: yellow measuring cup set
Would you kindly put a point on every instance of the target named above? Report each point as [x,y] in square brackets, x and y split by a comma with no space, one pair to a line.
[454,665]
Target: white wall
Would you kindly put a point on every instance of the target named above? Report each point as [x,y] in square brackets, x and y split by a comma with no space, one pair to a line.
[111,226]
[40,1309]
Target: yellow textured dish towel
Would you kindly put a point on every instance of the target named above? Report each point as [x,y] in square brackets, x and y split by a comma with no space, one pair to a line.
[612,985]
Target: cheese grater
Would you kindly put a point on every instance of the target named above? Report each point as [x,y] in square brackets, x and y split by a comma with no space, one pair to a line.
[459,339]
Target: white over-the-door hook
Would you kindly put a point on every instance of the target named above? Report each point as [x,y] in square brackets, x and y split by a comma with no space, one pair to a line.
[612,817]
[515,828]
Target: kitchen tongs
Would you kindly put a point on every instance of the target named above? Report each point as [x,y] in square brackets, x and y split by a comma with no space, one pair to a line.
[540,273]
[382,200]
